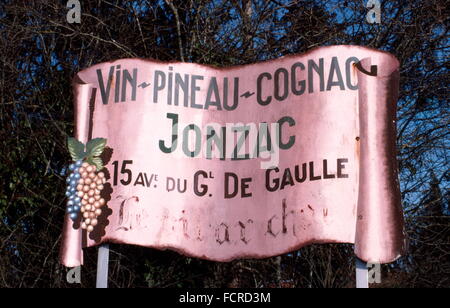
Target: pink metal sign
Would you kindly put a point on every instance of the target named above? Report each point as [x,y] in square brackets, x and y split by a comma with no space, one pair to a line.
[250,161]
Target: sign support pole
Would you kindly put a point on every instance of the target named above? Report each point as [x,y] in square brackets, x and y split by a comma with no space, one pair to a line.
[362,274]
[102,266]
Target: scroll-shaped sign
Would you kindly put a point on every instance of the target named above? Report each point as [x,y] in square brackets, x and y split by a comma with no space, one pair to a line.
[249,161]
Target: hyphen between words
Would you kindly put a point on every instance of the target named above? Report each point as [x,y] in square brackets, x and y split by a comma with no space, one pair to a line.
[235,141]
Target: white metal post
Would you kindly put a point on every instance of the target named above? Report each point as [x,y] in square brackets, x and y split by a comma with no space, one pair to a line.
[362,274]
[102,266]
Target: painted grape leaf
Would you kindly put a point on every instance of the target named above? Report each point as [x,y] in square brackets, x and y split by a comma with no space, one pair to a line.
[76,149]
[95,147]
[96,161]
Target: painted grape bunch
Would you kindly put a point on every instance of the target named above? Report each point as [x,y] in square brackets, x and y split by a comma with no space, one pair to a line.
[86,182]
